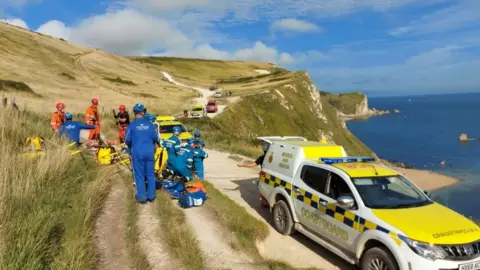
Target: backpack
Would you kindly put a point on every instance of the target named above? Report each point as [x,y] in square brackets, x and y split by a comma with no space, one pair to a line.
[104,155]
[175,189]
[195,186]
[192,199]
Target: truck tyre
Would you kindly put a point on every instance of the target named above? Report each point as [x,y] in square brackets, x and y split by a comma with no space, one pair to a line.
[378,258]
[282,218]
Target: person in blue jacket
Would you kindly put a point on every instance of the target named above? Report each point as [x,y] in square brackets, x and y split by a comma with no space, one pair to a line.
[172,145]
[196,134]
[71,129]
[184,162]
[198,156]
[141,138]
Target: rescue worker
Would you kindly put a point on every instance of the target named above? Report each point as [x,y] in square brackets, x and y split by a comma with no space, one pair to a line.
[259,160]
[71,129]
[58,117]
[123,120]
[198,156]
[172,145]
[151,117]
[92,117]
[184,161]
[141,138]
[196,134]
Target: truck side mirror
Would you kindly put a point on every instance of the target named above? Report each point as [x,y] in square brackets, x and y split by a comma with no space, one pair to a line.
[427,193]
[346,202]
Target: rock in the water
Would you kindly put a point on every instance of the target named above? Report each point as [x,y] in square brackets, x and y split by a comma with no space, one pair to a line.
[463,137]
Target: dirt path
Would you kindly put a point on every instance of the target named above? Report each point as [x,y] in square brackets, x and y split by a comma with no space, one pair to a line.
[151,242]
[237,184]
[206,94]
[214,241]
[110,229]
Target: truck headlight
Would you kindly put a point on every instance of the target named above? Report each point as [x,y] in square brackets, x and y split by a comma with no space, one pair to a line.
[428,251]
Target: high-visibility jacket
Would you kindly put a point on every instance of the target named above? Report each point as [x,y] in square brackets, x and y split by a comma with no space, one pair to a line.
[92,116]
[57,120]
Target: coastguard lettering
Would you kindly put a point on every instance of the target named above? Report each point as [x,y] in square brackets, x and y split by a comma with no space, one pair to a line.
[448,233]
[325,224]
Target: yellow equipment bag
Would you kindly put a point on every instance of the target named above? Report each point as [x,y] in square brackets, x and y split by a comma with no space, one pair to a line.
[161,157]
[105,155]
[37,143]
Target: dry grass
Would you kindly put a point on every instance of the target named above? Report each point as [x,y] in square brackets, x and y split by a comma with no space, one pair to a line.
[202,72]
[47,65]
[178,236]
[48,204]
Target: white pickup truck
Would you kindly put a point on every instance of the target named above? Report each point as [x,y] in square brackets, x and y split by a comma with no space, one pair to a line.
[361,210]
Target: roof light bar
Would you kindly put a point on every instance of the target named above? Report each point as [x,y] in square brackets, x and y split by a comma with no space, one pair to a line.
[347,159]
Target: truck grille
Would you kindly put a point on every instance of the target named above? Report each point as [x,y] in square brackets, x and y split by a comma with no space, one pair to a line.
[462,252]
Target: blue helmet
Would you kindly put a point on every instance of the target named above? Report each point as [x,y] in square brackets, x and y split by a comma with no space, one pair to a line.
[196,134]
[150,117]
[190,140]
[201,143]
[138,108]
[177,129]
[68,116]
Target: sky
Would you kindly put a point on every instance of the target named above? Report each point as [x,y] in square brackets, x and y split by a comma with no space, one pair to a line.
[379,47]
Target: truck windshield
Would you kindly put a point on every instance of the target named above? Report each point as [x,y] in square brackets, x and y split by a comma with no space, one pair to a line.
[197,109]
[389,192]
[169,128]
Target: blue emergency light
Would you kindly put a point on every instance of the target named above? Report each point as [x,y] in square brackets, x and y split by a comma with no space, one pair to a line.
[347,160]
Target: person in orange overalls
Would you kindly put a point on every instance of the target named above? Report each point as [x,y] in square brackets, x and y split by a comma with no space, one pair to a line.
[123,121]
[58,117]
[92,117]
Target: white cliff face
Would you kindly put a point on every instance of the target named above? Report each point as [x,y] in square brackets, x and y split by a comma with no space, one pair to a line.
[316,106]
[362,108]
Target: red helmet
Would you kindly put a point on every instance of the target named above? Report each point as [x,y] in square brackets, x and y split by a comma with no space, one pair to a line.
[60,105]
[121,108]
[94,101]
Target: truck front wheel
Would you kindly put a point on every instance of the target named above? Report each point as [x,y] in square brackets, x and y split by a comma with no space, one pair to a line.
[378,258]
[282,218]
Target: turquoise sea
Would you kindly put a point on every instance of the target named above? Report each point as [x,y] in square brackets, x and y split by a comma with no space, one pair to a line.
[424,133]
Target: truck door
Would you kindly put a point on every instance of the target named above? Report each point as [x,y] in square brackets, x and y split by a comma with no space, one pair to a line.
[341,221]
[308,184]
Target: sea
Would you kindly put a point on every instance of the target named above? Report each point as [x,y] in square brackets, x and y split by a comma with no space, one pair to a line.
[424,134]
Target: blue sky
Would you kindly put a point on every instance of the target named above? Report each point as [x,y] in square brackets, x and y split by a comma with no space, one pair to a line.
[380,47]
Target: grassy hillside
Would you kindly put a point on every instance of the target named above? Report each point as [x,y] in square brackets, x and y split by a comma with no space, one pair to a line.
[345,103]
[48,204]
[40,71]
[293,107]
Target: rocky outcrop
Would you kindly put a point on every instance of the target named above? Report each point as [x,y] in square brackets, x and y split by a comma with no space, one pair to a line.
[353,106]
[463,137]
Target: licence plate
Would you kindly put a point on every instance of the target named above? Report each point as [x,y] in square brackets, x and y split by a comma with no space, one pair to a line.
[470,266]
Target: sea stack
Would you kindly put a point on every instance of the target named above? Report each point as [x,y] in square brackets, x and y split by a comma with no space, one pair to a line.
[463,137]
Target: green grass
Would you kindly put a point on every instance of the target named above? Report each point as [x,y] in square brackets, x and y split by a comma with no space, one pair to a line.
[120,81]
[178,236]
[49,204]
[8,85]
[246,229]
[346,102]
[236,129]
[137,256]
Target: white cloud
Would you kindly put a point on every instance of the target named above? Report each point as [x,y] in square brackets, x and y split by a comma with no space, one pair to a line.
[16,22]
[295,25]
[437,69]
[258,52]
[461,14]
[55,28]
